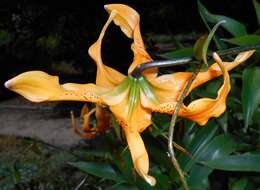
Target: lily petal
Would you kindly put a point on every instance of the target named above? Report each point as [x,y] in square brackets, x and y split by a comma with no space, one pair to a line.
[203,109]
[129,22]
[139,154]
[38,86]
[141,117]
[174,83]
[215,71]
[139,121]
[106,76]
[103,119]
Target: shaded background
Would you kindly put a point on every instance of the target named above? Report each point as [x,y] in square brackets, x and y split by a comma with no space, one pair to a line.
[54,36]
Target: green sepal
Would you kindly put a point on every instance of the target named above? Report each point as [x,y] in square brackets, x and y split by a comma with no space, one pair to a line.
[119,89]
[134,96]
[147,90]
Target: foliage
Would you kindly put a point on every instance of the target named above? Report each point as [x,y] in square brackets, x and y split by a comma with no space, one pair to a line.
[28,164]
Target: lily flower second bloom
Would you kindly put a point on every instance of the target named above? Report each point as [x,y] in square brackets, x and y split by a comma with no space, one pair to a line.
[132,100]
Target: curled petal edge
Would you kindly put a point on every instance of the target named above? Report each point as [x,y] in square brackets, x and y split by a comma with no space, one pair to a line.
[201,110]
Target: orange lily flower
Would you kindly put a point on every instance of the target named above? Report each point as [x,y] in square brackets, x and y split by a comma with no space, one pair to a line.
[132,100]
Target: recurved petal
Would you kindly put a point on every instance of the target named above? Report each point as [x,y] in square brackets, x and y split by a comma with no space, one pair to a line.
[169,87]
[129,22]
[106,76]
[139,154]
[103,122]
[104,119]
[203,109]
[38,86]
[215,71]
[127,18]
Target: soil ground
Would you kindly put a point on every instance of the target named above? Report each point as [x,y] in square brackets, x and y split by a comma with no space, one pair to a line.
[47,122]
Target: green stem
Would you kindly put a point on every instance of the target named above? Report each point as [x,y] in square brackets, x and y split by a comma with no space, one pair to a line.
[172,126]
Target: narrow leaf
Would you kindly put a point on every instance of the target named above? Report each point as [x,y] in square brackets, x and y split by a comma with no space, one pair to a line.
[239,184]
[232,26]
[200,141]
[209,38]
[122,186]
[257,10]
[242,162]
[220,146]
[244,40]
[98,169]
[185,52]
[250,93]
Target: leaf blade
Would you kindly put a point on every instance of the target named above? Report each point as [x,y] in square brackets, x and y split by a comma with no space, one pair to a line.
[98,169]
[242,162]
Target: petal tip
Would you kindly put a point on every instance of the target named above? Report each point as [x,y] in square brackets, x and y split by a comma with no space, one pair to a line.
[8,84]
[151,180]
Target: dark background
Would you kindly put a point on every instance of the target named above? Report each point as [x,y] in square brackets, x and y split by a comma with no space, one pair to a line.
[54,36]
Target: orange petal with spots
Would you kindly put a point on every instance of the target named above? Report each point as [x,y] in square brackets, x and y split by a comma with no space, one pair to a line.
[38,86]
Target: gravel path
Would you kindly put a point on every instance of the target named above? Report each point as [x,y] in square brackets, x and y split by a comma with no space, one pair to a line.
[48,122]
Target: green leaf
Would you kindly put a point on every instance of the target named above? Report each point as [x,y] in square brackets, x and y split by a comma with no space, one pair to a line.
[16,175]
[243,162]
[220,146]
[198,46]
[232,26]
[116,127]
[250,93]
[257,10]
[201,140]
[122,186]
[98,169]
[5,37]
[239,184]
[208,40]
[185,52]
[244,40]
[157,152]
[123,161]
